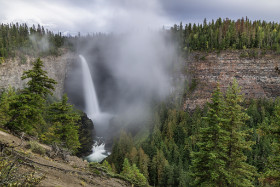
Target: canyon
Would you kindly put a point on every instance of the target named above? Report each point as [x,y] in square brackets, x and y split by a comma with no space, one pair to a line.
[258,76]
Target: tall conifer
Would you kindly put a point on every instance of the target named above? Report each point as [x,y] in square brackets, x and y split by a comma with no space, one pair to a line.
[208,168]
[240,173]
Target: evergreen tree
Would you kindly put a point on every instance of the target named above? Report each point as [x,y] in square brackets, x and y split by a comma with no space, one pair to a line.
[239,172]
[157,168]
[121,149]
[133,174]
[208,163]
[107,165]
[26,113]
[27,109]
[126,169]
[64,121]
[6,99]
[272,174]
[143,162]
[39,82]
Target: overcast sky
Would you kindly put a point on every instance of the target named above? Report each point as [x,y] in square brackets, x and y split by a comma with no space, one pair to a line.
[120,15]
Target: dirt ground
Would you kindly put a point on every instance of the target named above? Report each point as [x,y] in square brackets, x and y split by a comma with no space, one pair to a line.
[57,172]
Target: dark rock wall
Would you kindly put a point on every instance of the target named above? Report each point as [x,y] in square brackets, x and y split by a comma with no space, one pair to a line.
[86,136]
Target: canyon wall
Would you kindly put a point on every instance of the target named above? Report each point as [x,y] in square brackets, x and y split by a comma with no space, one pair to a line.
[258,77]
[12,69]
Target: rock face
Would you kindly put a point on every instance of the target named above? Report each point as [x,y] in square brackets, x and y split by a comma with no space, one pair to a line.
[86,138]
[12,70]
[258,77]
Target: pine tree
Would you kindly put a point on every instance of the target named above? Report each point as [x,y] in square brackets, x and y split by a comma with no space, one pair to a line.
[121,149]
[143,162]
[272,174]
[133,174]
[63,114]
[6,99]
[126,169]
[39,82]
[239,172]
[107,166]
[27,109]
[138,178]
[208,164]
[26,113]
[157,168]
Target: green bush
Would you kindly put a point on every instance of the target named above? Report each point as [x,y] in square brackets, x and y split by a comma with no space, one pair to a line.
[10,175]
[36,148]
[2,60]
[244,54]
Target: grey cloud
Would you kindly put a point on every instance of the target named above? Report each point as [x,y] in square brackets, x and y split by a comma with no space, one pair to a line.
[197,10]
[107,15]
[85,16]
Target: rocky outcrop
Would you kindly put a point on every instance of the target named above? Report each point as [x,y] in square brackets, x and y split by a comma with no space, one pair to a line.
[258,77]
[86,136]
[12,70]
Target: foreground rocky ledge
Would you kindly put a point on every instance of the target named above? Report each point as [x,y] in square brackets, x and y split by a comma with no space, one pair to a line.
[56,172]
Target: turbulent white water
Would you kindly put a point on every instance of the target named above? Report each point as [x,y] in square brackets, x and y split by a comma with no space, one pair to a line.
[92,109]
[99,153]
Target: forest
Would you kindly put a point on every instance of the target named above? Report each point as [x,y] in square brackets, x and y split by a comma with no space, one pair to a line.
[231,141]
[228,34]
[20,40]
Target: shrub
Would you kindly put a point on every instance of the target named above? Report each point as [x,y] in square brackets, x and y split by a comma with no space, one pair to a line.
[36,148]
[10,175]
[2,60]
[244,54]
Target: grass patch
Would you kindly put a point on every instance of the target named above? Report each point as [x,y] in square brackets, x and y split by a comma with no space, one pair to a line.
[36,148]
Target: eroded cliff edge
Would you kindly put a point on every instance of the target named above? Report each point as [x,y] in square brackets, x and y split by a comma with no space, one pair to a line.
[259,77]
[12,70]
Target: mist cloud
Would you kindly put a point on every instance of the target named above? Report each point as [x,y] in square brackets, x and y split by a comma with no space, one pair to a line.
[130,71]
[141,69]
[40,42]
[85,16]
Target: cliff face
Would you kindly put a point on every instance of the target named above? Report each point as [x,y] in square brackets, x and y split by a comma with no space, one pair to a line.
[258,77]
[56,67]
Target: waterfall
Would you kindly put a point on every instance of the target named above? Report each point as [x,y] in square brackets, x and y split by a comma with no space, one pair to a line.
[99,119]
[92,106]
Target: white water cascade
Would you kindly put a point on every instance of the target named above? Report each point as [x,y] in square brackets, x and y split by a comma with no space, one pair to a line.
[93,111]
[92,105]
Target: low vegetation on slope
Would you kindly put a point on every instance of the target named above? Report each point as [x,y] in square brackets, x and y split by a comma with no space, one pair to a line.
[29,163]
